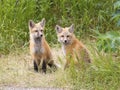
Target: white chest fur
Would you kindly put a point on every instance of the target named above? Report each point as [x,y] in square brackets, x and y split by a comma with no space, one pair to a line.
[38,49]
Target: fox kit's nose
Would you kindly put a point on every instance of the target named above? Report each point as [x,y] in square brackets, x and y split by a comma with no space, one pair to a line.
[41,35]
[65,41]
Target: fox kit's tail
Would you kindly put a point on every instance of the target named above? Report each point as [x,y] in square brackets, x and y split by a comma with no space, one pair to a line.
[58,65]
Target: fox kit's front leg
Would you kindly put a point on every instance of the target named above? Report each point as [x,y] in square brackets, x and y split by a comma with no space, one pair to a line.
[39,48]
[69,60]
[35,66]
[72,47]
[66,65]
[36,63]
[44,66]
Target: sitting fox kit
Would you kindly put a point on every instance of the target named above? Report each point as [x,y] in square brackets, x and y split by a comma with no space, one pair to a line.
[71,46]
[39,48]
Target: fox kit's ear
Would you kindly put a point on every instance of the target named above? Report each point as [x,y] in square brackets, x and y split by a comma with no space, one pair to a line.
[58,29]
[42,23]
[71,28]
[31,24]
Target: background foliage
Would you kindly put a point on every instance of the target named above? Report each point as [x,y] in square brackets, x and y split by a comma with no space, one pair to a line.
[96,21]
[85,14]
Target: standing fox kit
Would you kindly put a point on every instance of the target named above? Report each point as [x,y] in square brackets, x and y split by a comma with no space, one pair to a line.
[39,48]
[72,48]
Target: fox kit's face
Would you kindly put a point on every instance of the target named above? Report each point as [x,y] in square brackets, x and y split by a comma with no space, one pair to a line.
[36,30]
[65,35]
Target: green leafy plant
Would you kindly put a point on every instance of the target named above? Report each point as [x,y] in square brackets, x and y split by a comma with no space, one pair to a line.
[85,14]
[108,42]
[116,14]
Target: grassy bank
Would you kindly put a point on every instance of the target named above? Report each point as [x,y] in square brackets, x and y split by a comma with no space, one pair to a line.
[17,70]
[102,74]
[96,24]
[87,15]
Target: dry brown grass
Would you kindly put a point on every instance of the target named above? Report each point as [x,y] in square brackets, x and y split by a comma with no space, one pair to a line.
[16,69]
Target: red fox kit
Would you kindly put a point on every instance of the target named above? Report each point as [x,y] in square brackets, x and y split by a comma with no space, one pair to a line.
[71,46]
[39,48]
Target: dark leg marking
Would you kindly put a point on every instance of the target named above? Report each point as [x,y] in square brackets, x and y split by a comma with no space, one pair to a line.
[44,66]
[35,66]
[50,65]
[53,66]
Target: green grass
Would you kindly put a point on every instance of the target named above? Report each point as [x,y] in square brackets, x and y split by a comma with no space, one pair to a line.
[16,68]
[102,74]
[85,14]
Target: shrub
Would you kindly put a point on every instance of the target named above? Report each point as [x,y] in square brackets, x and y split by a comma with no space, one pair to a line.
[108,42]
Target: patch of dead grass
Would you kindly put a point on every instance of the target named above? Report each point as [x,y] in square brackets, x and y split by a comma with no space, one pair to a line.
[16,69]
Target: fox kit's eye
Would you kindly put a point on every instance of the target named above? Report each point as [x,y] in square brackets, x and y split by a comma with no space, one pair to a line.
[68,36]
[62,35]
[41,30]
[36,30]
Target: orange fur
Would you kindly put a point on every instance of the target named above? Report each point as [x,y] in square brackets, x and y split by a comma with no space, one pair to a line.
[47,56]
[73,48]
[39,48]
